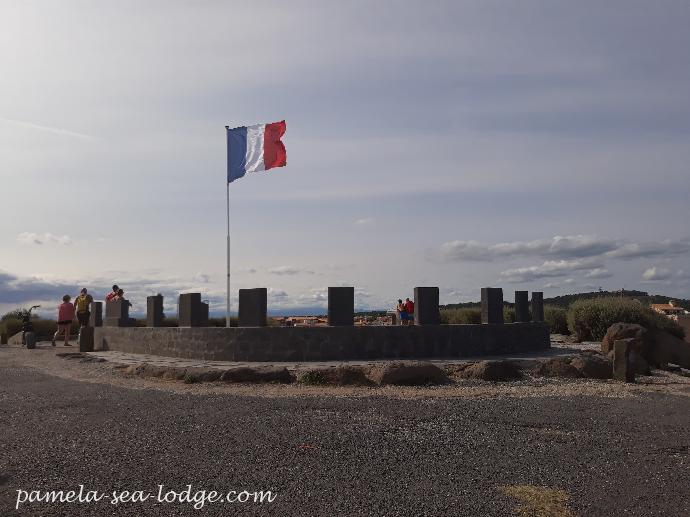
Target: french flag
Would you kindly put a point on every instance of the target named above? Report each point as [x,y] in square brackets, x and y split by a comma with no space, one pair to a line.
[255,148]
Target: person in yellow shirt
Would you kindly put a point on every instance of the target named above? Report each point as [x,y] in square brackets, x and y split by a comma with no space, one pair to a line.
[83,305]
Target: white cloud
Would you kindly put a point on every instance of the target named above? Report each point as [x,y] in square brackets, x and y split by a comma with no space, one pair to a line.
[599,272]
[666,248]
[54,130]
[569,246]
[566,247]
[277,295]
[45,238]
[656,273]
[202,278]
[289,271]
[550,268]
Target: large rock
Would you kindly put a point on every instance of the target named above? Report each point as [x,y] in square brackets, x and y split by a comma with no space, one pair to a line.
[557,367]
[619,331]
[491,371]
[666,348]
[407,373]
[593,366]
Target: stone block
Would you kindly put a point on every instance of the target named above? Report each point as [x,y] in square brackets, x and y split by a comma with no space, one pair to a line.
[191,312]
[96,318]
[426,310]
[204,314]
[624,357]
[492,305]
[537,306]
[341,306]
[522,307]
[154,311]
[86,339]
[117,314]
[253,305]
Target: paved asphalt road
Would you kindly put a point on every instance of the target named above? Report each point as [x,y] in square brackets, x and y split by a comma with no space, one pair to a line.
[340,456]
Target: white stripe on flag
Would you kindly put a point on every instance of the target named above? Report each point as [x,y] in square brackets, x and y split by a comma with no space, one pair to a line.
[255,148]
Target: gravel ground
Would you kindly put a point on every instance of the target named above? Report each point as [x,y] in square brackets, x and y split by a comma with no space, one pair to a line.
[614,450]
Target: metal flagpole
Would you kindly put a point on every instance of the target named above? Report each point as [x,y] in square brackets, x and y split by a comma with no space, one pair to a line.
[227,189]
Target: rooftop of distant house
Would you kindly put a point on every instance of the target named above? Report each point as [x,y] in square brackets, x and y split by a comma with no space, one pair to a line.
[668,308]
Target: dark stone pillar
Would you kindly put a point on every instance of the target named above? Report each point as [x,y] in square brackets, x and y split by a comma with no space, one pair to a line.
[522,307]
[341,306]
[204,314]
[85,339]
[537,306]
[117,314]
[492,305]
[426,306]
[96,318]
[154,311]
[253,304]
[624,360]
[191,312]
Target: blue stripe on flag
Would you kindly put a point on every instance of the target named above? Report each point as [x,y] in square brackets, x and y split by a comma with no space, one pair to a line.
[237,153]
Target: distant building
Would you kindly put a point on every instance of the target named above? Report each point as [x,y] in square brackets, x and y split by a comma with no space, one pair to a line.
[669,309]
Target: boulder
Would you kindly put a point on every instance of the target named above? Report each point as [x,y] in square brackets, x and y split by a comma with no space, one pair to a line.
[593,366]
[407,373]
[258,374]
[624,331]
[557,367]
[339,376]
[491,371]
[641,364]
[666,348]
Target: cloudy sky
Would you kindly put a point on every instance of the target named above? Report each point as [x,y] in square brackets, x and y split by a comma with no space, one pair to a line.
[541,145]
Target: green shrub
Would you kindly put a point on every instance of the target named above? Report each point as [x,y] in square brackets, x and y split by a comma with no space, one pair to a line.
[463,316]
[43,328]
[557,318]
[312,378]
[589,320]
[10,326]
[508,314]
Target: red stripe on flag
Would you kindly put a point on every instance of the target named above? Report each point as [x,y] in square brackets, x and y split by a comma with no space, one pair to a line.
[274,149]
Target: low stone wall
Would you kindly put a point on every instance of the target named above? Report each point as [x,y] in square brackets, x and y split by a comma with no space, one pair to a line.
[325,343]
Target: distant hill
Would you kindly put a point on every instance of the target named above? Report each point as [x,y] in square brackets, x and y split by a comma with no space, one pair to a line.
[566,299]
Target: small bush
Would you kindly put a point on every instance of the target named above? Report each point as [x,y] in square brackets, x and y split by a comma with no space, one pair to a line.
[43,328]
[589,320]
[557,318]
[461,316]
[312,378]
[508,314]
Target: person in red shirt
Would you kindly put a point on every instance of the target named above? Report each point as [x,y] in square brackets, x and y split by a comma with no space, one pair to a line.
[409,307]
[64,319]
[112,294]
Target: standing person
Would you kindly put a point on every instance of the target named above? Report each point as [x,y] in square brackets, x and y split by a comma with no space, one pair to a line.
[83,303]
[112,294]
[402,312]
[409,307]
[65,315]
[120,296]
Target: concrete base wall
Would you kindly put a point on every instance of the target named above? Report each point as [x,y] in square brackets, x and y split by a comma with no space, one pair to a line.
[325,343]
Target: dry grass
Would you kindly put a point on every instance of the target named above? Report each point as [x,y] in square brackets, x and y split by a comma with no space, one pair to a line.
[539,501]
